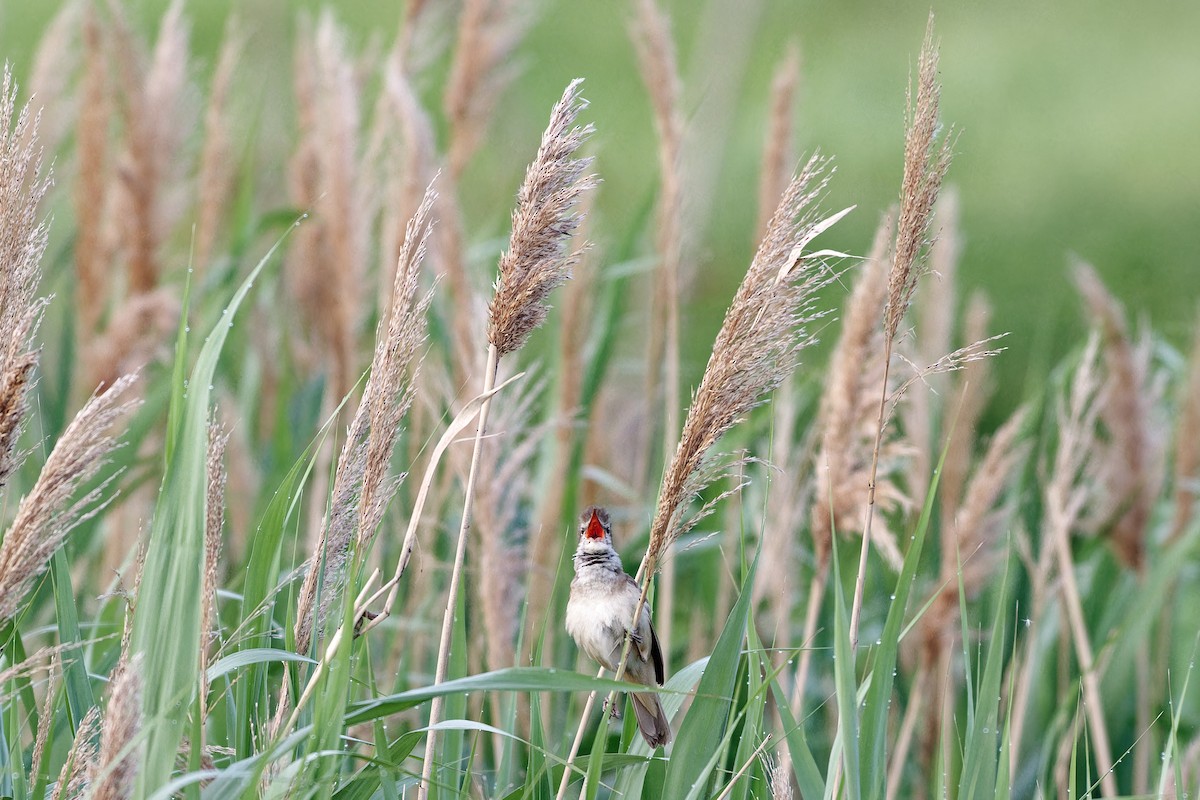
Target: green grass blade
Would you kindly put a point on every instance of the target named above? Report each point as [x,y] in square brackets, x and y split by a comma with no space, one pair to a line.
[750,736]
[80,698]
[245,658]
[1171,761]
[808,774]
[882,677]
[979,778]
[166,629]
[630,782]
[510,679]
[845,688]
[703,728]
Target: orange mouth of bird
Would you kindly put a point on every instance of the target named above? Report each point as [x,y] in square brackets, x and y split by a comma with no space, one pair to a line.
[594,529]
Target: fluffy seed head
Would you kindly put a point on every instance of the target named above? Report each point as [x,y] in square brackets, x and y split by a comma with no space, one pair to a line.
[757,347]
[545,219]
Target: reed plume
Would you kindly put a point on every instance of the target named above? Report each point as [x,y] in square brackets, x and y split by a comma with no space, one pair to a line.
[115,770]
[217,178]
[538,260]
[489,32]
[846,416]
[655,48]
[1132,463]
[773,174]
[45,718]
[935,312]
[48,512]
[326,261]
[158,109]
[76,770]
[214,522]
[925,164]
[926,161]
[22,243]
[138,332]
[361,487]
[55,62]
[501,509]
[757,347]
[92,250]
[416,151]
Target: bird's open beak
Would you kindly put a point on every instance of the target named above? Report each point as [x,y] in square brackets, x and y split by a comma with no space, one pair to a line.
[594,529]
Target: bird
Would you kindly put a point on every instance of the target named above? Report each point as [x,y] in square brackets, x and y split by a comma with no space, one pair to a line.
[599,612]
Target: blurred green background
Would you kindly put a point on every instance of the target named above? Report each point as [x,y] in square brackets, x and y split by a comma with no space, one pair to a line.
[1079,133]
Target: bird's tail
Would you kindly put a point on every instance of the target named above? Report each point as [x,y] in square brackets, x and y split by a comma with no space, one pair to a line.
[651,719]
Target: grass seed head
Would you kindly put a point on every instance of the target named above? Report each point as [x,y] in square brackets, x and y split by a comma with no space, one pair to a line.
[538,258]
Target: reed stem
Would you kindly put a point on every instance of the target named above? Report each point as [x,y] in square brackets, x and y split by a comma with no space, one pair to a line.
[437,706]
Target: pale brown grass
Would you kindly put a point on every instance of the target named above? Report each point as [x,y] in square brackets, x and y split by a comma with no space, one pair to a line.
[115,769]
[757,347]
[50,510]
[1130,460]
[489,32]
[23,239]
[362,489]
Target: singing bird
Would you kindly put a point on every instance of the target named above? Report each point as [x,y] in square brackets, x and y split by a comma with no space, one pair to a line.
[599,612]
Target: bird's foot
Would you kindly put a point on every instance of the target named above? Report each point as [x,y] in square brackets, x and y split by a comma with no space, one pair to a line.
[612,707]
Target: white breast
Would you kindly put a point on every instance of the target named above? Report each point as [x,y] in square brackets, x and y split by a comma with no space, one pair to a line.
[598,615]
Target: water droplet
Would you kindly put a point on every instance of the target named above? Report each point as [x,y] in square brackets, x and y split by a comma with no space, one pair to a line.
[985,730]
[187,328]
[878,642]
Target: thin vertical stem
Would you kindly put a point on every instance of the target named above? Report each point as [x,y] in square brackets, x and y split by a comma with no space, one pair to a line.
[666,606]
[816,592]
[1069,591]
[860,583]
[437,706]
[587,712]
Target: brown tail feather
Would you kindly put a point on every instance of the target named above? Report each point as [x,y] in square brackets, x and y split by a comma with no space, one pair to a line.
[651,719]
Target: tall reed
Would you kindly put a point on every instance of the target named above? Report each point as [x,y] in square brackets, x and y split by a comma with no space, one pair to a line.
[660,73]
[537,261]
[362,488]
[925,163]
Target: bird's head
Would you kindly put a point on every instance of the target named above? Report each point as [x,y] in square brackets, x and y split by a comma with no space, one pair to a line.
[595,530]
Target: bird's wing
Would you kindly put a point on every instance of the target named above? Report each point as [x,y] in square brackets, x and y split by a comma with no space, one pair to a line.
[656,656]
[644,637]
